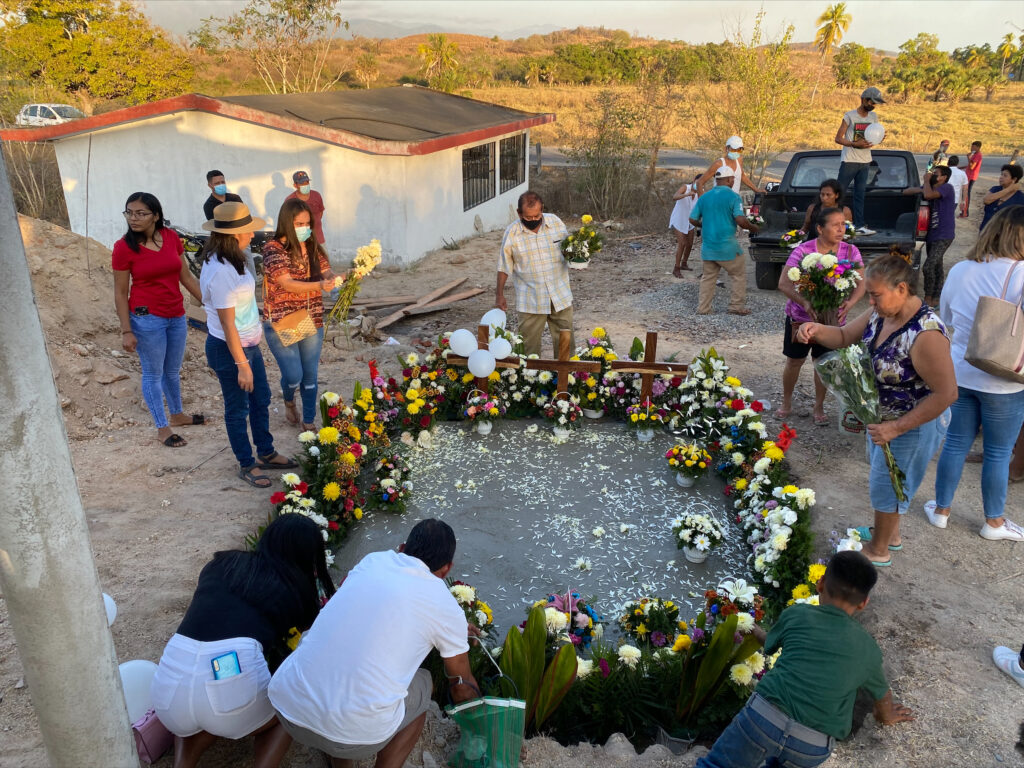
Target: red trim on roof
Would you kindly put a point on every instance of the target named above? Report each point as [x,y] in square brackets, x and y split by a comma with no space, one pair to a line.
[199,103]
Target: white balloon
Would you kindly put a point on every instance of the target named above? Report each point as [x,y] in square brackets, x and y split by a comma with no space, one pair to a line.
[136,677]
[463,342]
[111,606]
[874,133]
[481,363]
[500,348]
[493,317]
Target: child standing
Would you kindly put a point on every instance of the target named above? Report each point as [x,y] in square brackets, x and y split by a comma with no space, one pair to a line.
[805,702]
[679,222]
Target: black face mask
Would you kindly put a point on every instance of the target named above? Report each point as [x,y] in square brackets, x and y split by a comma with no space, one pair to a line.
[532,225]
[869,107]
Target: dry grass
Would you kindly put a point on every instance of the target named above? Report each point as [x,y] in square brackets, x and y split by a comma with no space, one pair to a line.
[918,127]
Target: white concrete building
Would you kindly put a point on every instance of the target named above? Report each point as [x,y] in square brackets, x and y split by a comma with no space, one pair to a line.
[407,165]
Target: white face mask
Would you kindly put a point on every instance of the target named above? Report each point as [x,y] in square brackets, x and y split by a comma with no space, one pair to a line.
[733,155]
[304,189]
[303,233]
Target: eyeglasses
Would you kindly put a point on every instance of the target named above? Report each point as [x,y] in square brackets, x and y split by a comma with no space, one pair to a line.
[137,214]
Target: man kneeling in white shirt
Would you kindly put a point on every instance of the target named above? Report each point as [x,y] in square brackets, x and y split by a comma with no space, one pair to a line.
[354,688]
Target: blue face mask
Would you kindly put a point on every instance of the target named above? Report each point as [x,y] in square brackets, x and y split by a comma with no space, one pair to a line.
[304,189]
[303,233]
[220,189]
[733,155]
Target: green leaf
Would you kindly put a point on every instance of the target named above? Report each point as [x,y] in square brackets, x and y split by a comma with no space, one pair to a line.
[557,680]
[713,663]
[636,351]
[535,637]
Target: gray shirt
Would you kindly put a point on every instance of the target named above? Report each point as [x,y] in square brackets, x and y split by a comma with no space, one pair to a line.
[855,125]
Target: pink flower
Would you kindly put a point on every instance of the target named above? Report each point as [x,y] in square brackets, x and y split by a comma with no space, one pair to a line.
[603,664]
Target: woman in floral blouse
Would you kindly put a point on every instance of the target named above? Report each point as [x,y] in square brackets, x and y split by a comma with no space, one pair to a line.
[909,347]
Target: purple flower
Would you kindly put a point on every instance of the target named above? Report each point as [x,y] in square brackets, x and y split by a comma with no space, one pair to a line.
[657,639]
[593,341]
[697,634]
[658,387]
[771,504]
[605,671]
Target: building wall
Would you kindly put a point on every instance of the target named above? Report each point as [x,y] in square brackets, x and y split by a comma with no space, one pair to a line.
[409,203]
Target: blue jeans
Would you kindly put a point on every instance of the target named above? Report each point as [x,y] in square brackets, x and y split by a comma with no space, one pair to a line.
[913,451]
[858,174]
[753,741]
[1000,418]
[161,348]
[298,363]
[243,410]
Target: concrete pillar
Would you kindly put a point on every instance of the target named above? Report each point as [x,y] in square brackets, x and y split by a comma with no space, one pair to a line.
[47,573]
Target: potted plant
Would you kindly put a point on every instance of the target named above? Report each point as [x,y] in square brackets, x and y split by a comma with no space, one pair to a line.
[483,409]
[564,415]
[579,246]
[689,461]
[697,534]
[643,418]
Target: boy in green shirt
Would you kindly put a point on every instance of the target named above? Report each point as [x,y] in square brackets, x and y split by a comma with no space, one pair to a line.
[805,702]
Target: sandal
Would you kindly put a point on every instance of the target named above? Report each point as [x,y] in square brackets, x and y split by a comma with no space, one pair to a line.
[175,441]
[198,418]
[267,462]
[256,481]
[821,421]
[291,414]
[865,531]
[309,427]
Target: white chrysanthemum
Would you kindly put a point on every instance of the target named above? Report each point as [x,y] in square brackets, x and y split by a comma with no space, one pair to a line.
[481,618]
[793,274]
[583,564]
[599,531]
[290,479]
[741,674]
[737,458]
[331,398]
[702,542]
[583,667]
[780,541]
[761,465]
[805,498]
[464,594]
[829,260]
[629,655]
[625,527]
[849,545]
[842,284]
[744,622]
[810,260]
[314,451]
[544,377]
[556,620]
[307,503]
[756,662]
[307,437]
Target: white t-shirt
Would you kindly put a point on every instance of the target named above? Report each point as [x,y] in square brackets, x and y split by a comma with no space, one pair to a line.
[959,180]
[680,218]
[222,287]
[855,125]
[349,677]
[966,282]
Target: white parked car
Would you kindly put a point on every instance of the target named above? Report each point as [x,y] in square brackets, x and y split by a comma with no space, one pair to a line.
[47,114]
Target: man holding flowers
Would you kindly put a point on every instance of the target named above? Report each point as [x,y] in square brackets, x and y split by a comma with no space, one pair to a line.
[531,252]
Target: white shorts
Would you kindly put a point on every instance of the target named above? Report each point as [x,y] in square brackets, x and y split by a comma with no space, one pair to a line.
[188,700]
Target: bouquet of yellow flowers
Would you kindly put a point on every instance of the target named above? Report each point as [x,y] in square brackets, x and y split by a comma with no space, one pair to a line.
[367,257]
[689,460]
[579,246]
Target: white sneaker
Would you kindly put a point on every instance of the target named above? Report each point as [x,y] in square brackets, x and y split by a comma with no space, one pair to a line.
[1008,531]
[1008,661]
[862,230]
[939,521]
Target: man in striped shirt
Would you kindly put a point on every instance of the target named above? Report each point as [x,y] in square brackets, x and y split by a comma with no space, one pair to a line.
[531,252]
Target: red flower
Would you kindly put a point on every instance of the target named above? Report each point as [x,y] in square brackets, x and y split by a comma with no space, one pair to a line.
[332,525]
[756,406]
[334,412]
[737,405]
[424,422]
[727,490]
[277,498]
[302,487]
[356,449]
[374,373]
[349,504]
[785,438]
[676,381]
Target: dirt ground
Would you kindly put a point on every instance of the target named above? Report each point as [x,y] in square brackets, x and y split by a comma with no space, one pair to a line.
[948,599]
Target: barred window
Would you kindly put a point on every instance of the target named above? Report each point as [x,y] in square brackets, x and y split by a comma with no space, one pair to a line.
[477,175]
[513,161]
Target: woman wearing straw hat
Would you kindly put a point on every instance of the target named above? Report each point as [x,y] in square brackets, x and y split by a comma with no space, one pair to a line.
[233,344]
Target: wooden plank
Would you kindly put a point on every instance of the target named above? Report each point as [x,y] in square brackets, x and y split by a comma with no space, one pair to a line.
[443,304]
[449,300]
[384,301]
[654,368]
[394,317]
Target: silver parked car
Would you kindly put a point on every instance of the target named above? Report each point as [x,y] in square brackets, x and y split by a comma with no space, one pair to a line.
[47,114]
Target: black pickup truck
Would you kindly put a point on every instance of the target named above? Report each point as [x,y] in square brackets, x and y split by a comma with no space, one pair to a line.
[895,217]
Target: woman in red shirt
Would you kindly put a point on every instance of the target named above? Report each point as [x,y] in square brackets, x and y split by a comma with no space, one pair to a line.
[296,272]
[148,266]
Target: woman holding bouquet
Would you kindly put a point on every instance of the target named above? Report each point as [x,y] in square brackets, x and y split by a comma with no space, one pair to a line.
[913,369]
[829,226]
[296,273]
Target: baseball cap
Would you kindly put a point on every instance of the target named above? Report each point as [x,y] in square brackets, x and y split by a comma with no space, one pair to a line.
[874,94]
[300,177]
[734,142]
[725,172]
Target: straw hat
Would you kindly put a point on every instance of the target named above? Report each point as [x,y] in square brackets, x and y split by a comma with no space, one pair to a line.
[232,218]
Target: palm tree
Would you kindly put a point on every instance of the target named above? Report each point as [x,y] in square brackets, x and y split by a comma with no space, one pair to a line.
[975,58]
[439,63]
[833,25]
[1006,50]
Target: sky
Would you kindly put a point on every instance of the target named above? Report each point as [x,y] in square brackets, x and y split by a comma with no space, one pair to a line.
[880,24]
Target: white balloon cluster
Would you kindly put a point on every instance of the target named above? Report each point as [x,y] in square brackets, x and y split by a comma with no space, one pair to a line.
[481,361]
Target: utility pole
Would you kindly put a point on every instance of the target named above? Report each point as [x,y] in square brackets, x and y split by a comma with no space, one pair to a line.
[47,573]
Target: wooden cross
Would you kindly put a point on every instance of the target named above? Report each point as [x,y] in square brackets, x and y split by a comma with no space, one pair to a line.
[563,366]
[483,339]
[647,367]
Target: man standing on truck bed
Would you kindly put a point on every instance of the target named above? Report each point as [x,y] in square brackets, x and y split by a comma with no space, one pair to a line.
[719,211]
[855,160]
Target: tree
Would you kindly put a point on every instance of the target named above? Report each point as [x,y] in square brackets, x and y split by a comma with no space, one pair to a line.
[851,65]
[366,68]
[287,41]
[1006,50]
[91,48]
[440,66]
[834,23]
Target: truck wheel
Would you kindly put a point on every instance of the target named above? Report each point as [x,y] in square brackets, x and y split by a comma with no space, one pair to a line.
[766,275]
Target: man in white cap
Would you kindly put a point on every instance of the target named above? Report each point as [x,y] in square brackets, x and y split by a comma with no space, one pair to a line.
[855,160]
[734,161]
[719,212]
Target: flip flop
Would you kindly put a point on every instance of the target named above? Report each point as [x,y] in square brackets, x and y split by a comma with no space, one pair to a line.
[198,418]
[864,532]
[256,481]
[267,462]
[175,441]
[822,421]
[881,563]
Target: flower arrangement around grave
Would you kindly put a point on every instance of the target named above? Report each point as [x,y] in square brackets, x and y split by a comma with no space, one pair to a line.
[645,416]
[826,281]
[367,257]
[578,622]
[792,239]
[478,613]
[697,531]
[391,488]
[807,590]
[651,621]
[483,408]
[689,460]
[578,247]
[296,500]
[563,414]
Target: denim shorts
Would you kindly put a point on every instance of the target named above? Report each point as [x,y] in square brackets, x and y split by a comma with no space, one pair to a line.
[913,451]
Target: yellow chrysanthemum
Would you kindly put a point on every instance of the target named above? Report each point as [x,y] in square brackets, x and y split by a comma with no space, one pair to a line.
[633,417]
[413,409]
[348,458]
[599,333]
[611,356]
[815,572]
[328,435]
[801,592]
[741,484]
[357,513]
[467,377]
[598,351]
[353,432]
[591,381]
[592,396]
[642,630]
[774,453]
[682,641]
[494,376]
[732,381]
[789,489]
[586,218]
[332,490]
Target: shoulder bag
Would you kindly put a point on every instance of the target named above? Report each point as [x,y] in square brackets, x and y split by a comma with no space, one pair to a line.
[293,327]
[996,344]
